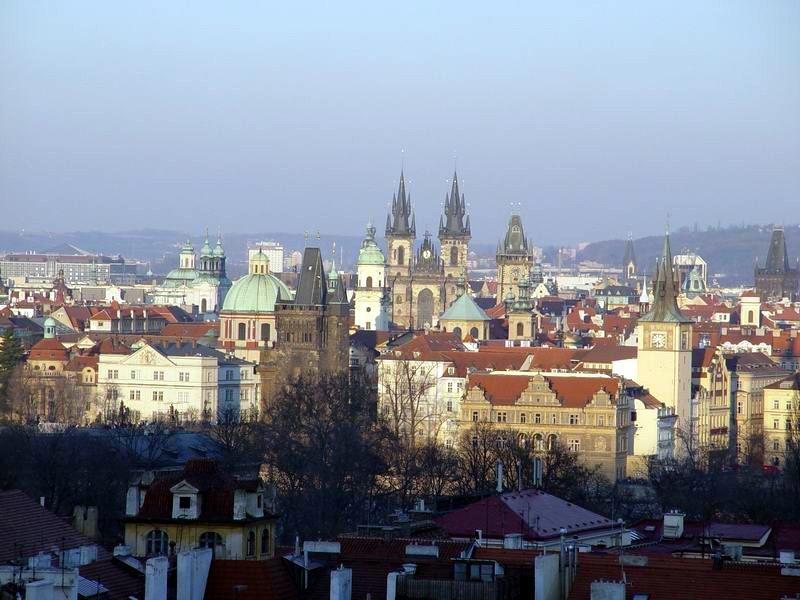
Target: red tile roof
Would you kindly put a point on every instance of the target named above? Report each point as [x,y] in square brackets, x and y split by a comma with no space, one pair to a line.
[573,392]
[265,580]
[684,578]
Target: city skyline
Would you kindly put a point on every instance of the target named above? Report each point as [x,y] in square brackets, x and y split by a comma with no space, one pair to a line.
[204,115]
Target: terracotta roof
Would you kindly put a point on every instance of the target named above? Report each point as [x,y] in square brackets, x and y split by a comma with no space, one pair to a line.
[49,349]
[607,354]
[573,392]
[685,578]
[188,330]
[428,346]
[79,363]
[265,580]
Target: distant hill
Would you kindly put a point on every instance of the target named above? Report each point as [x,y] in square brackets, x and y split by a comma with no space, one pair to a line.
[730,252]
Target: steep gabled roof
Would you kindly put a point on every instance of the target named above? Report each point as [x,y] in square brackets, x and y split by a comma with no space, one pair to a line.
[312,288]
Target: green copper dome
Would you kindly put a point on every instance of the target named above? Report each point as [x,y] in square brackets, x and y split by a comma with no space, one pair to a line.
[464,308]
[218,251]
[370,253]
[257,293]
[178,277]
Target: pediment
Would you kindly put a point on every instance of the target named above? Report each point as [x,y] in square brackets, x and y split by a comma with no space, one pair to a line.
[147,355]
[183,487]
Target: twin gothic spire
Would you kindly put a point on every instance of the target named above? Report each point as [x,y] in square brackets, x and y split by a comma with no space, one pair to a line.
[401,220]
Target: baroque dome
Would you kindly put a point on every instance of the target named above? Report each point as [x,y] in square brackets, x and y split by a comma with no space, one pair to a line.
[256,293]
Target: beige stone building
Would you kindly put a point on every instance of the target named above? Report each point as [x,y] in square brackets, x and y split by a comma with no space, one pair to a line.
[587,413]
[781,410]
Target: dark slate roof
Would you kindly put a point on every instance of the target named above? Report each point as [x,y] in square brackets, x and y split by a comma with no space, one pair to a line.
[455,211]
[401,219]
[27,528]
[312,289]
[192,349]
[630,255]
[265,580]
[777,256]
[515,241]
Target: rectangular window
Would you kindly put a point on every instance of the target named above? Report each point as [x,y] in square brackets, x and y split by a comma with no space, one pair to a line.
[523,418]
[184,502]
[502,417]
[601,420]
[537,418]
[228,375]
[776,424]
[739,407]
[132,395]
[553,419]
[450,387]
[475,415]
[776,445]
[776,404]
[788,405]
[449,406]
[573,419]
[133,374]
[459,386]
[574,445]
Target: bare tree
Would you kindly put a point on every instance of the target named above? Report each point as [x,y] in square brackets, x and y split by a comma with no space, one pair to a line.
[406,396]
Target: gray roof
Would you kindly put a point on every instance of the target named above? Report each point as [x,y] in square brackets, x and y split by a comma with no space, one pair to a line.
[777,257]
[515,241]
[453,223]
[401,220]
[312,288]
[190,349]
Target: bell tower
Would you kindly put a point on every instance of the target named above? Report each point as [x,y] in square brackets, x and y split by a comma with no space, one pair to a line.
[514,258]
[454,237]
[664,341]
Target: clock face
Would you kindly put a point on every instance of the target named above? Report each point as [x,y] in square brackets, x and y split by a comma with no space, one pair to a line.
[426,254]
[658,339]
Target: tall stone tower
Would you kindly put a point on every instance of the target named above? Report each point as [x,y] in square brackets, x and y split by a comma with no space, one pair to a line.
[401,230]
[629,271]
[514,258]
[372,311]
[454,237]
[664,339]
[776,279]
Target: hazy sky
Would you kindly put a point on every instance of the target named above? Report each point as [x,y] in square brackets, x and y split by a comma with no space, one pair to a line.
[598,117]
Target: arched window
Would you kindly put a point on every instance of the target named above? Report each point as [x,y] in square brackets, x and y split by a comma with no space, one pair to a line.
[538,442]
[552,441]
[369,281]
[524,441]
[203,305]
[401,255]
[251,543]
[474,332]
[457,331]
[750,316]
[157,542]
[453,256]
[210,539]
[520,329]
[265,541]
[242,331]
[265,331]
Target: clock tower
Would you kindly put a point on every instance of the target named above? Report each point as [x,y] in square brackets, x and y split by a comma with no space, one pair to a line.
[664,340]
[514,259]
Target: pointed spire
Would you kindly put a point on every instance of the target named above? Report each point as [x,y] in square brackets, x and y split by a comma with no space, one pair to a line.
[452,222]
[665,304]
[397,222]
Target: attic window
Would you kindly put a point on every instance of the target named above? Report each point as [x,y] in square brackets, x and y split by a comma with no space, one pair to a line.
[184,502]
[451,370]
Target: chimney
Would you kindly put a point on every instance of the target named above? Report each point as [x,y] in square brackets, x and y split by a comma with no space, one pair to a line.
[155,578]
[673,525]
[608,590]
[41,589]
[341,584]
[193,568]
[499,477]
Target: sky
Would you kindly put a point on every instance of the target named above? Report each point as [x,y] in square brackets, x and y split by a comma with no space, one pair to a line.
[593,119]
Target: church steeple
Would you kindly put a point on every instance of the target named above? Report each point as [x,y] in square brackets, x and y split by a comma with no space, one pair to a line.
[454,221]
[664,304]
[629,260]
[400,220]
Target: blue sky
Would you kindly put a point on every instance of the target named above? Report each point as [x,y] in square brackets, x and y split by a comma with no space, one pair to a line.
[598,117]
